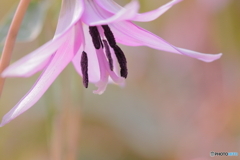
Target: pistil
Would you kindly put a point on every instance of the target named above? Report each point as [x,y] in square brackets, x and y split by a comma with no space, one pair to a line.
[108,53]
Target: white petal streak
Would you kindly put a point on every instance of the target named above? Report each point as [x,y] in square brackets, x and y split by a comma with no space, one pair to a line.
[71,12]
[109,5]
[136,35]
[152,15]
[57,64]
[95,15]
[113,7]
[35,61]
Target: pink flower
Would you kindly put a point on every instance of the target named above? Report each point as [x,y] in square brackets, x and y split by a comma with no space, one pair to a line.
[86,35]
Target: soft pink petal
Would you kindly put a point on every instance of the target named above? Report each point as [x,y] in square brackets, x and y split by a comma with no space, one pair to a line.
[35,61]
[114,78]
[129,34]
[71,12]
[134,35]
[152,15]
[30,72]
[112,7]
[57,64]
[95,15]
[93,69]
[114,75]
[78,36]
[102,83]
[109,5]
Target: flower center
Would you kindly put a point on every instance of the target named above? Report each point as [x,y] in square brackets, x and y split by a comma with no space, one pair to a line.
[99,42]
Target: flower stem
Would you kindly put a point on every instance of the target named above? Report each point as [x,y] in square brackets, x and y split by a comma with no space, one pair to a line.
[11,38]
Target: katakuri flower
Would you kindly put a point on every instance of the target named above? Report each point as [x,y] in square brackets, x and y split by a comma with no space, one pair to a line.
[86,35]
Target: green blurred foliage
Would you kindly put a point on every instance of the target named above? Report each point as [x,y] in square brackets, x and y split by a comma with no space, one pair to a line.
[31,25]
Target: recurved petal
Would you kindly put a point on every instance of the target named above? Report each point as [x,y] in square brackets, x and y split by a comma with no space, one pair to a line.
[152,15]
[95,15]
[71,12]
[35,61]
[57,64]
[134,36]
[109,5]
[113,7]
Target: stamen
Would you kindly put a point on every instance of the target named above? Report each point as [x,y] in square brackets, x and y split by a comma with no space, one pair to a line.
[96,39]
[109,35]
[84,67]
[107,50]
[121,60]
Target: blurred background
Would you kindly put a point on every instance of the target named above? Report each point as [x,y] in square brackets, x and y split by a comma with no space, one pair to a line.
[172,107]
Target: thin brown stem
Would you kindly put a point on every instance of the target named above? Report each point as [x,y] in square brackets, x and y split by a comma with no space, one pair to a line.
[11,38]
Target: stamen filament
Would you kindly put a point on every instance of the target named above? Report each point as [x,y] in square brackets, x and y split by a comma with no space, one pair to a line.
[108,53]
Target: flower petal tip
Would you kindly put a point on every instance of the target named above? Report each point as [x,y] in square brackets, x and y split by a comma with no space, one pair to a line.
[212,57]
[9,73]
[176,1]
[98,92]
[3,75]
[4,121]
[2,124]
[6,73]
[101,85]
